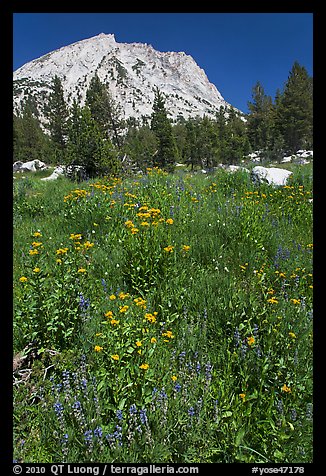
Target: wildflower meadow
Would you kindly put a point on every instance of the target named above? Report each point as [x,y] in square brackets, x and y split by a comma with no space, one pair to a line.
[163,318]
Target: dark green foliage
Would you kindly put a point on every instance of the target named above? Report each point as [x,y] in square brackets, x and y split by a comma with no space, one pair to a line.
[56,113]
[104,110]
[162,128]
[29,141]
[235,144]
[140,145]
[295,110]
[260,118]
[86,144]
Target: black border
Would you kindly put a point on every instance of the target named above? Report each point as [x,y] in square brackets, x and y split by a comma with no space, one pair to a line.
[6,235]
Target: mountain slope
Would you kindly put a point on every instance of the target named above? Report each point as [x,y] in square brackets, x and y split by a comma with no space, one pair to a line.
[130,70]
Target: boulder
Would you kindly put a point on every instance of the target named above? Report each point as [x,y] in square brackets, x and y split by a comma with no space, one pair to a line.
[74,172]
[60,170]
[305,153]
[236,168]
[17,166]
[288,158]
[30,166]
[254,156]
[271,175]
[53,176]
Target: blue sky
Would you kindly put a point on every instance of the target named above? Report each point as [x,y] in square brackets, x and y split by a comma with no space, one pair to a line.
[235,49]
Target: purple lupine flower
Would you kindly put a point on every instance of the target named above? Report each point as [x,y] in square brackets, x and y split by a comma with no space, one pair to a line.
[98,432]
[177,387]
[208,371]
[191,411]
[143,416]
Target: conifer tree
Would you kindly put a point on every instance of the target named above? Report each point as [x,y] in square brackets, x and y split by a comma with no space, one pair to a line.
[56,113]
[295,110]
[140,145]
[259,121]
[87,146]
[29,141]
[104,110]
[161,126]
[192,149]
[233,143]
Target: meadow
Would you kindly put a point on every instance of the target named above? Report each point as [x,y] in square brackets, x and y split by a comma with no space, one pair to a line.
[166,318]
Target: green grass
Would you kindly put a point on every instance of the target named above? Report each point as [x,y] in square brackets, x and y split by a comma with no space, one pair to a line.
[171,318]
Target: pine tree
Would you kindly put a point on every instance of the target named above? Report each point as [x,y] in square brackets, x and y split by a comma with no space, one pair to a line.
[259,121]
[140,145]
[295,110]
[192,148]
[161,126]
[104,110]
[87,146]
[29,141]
[56,113]
[233,142]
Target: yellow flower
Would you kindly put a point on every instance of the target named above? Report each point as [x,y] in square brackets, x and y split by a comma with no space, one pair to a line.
[295,301]
[36,270]
[23,279]
[138,343]
[286,389]
[144,366]
[98,348]
[134,231]
[272,300]
[33,252]
[88,245]
[109,314]
[129,224]
[123,295]
[153,340]
[37,234]
[174,378]
[144,223]
[169,221]
[140,302]
[123,308]
[115,357]
[150,317]
[36,244]
[251,340]
[112,297]
[292,334]
[168,334]
[81,270]
[76,236]
[114,322]
[186,248]
[62,251]
[242,396]
[59,261]
[168,249]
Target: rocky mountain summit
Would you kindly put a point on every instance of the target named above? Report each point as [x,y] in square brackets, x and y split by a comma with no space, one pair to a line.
[131,72]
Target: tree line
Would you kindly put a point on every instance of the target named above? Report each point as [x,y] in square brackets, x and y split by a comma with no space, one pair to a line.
[96,137]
